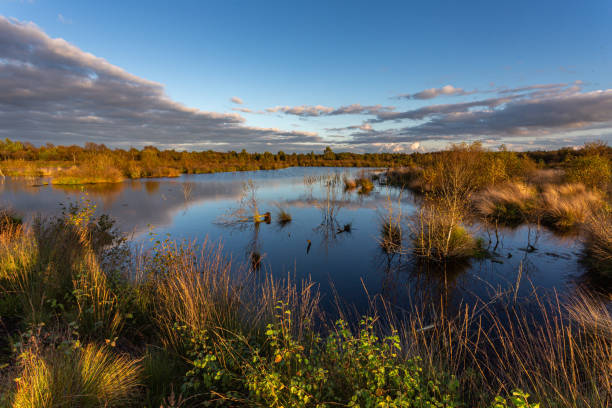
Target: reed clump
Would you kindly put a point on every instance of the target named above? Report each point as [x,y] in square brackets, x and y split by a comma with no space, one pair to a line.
[349,184]
[363,182]
[568,205]
[551,349]
[88,377]
[365,185]
[391,229]
[55,264]
[510,203]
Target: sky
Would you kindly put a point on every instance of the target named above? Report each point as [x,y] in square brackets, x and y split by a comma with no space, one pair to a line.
[298,76]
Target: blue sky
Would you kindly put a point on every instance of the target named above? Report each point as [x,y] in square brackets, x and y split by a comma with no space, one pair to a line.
[327,55]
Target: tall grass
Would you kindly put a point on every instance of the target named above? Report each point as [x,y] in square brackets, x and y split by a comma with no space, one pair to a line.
[598,243]
[55,264]
[283,216]
[549,349]
[195,287]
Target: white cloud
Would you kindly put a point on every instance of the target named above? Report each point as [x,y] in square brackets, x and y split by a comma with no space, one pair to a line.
[236,100]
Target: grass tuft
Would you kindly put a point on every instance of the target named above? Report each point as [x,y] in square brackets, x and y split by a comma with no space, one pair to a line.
[510,203]
[89,377]
[566,206]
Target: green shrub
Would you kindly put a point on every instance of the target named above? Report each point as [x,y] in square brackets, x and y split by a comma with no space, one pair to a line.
[593,171]
[360,370]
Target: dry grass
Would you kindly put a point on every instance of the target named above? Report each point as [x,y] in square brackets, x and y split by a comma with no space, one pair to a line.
[598,242]
[197,288]
[553,351]
[591,314]
[508,203]
[568,205]
[87,377]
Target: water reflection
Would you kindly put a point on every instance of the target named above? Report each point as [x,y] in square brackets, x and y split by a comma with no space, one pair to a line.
[333,237]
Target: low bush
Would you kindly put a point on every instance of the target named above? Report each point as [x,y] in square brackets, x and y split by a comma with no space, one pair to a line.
[360,370]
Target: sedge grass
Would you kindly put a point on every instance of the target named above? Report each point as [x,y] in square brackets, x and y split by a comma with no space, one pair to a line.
[89,377]
[568,205]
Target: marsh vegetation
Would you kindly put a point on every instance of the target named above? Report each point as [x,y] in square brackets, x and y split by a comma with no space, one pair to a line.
[186,323]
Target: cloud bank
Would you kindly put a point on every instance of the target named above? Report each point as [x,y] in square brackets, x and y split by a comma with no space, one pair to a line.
[52,91]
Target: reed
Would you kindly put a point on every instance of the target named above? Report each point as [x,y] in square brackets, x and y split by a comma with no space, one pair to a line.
[558,352]
[391,230]
[598,242]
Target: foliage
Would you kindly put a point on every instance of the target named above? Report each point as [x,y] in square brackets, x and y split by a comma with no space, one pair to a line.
[592,170]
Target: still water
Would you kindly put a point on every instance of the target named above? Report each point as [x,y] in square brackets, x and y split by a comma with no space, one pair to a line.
[349,264]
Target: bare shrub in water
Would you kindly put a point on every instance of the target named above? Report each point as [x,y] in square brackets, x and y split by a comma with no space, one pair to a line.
[437,234]
[391,239]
